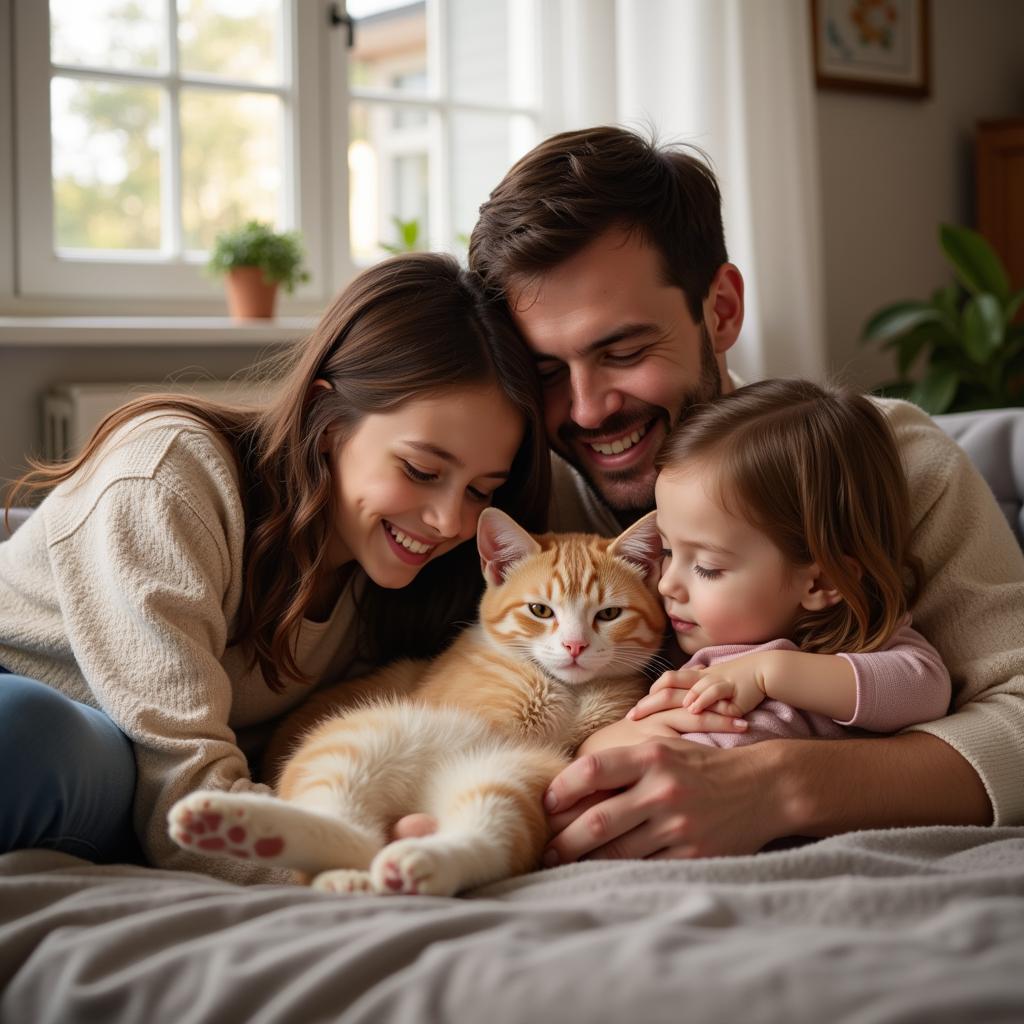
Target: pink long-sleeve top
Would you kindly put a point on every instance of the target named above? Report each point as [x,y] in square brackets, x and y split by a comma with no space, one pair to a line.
[902,684]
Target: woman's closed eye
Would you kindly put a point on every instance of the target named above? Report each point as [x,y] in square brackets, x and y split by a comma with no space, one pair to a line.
[422,476]
[419,475]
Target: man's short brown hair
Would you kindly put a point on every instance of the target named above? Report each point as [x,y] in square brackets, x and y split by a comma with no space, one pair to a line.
[573,187]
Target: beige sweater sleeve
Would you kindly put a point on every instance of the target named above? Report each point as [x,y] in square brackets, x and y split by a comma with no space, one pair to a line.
[146,579]
[971,606]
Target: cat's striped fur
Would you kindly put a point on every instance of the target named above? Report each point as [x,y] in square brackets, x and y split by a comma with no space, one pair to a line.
[567,625]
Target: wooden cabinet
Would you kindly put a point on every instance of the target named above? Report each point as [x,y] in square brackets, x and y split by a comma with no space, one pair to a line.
[999,155]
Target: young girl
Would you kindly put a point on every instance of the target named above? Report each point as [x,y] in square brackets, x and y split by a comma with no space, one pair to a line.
[199,568]
[787,573]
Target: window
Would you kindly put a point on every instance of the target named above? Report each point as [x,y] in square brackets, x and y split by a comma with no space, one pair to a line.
[443,97]
[171,119]
[168,121]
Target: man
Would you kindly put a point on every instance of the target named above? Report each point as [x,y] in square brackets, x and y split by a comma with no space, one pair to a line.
[611,256]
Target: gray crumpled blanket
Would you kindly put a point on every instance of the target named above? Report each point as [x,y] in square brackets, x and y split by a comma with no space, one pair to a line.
[899,925]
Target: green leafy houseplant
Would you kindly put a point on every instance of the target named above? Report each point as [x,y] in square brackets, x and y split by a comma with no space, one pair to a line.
[408,236]
[973,350]
[278,254]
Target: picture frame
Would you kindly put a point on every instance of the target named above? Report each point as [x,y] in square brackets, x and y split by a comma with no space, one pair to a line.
[879,46]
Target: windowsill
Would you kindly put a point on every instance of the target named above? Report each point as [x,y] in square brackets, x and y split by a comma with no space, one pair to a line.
[142,331]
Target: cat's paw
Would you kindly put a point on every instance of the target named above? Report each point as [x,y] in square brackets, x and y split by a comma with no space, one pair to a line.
[222,825]
[413,867]
[343,880]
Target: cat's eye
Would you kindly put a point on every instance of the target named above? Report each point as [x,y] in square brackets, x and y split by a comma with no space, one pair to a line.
[608,614]
[542,611]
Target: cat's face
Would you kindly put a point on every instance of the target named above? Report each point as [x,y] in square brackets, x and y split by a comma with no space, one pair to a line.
[578,605]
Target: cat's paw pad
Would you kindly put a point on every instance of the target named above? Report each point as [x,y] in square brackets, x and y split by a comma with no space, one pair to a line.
[219,825]
[343,880]
[408,867]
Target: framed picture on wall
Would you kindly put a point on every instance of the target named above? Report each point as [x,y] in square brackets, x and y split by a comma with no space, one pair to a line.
[872,45]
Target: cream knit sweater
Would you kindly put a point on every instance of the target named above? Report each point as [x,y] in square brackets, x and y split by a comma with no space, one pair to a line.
[121,591]
[971,606]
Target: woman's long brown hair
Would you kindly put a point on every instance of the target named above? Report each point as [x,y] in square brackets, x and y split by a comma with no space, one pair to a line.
[817,470]
[409,327]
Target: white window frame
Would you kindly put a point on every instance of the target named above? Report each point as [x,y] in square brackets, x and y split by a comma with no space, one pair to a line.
[34,280]
[533,119]
[171,273]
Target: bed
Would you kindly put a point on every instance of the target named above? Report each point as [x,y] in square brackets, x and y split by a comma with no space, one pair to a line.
[900,925]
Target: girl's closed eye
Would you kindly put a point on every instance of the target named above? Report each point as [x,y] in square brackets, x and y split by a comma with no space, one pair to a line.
[707,574]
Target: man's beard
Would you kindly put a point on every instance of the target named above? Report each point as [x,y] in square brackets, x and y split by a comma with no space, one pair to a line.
[636,486]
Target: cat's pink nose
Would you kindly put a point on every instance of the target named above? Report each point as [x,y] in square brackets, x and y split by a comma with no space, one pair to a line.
[575,647]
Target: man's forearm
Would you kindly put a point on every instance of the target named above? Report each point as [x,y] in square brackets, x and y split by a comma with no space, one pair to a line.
[823,787]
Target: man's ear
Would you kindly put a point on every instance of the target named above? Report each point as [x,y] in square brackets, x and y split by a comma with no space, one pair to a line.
[501,542]
[640,545]
[818,593]
[723,308]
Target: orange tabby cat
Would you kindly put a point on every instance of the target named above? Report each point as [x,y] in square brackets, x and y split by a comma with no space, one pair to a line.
[567,625]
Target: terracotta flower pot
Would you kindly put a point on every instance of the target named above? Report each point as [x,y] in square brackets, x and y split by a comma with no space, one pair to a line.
[250,297]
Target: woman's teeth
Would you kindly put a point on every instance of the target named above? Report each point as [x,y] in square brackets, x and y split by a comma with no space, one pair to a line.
[621,445]
[408,543]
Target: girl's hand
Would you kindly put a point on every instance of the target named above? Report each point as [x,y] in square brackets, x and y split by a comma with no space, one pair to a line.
[730,689]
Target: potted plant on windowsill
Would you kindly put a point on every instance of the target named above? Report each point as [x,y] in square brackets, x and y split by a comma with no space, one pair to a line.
[966,334]
[255,260]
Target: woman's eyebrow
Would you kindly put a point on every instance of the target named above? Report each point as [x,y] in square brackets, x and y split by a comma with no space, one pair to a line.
[441,453]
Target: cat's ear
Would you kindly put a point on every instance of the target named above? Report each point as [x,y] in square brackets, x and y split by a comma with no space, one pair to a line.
[501,542]
[641,546]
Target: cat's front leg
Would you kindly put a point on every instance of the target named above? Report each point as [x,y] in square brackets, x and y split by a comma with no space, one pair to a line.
[251,826]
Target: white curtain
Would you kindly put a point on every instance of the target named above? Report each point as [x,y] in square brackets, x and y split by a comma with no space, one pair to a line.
[733,77]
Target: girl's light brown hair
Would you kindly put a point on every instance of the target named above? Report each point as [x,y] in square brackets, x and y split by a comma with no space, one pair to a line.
[407,328]
[817,471]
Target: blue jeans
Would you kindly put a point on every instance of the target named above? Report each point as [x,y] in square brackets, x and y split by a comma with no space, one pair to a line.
[68,775]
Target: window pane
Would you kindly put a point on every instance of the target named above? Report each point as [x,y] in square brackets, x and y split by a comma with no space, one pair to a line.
[390,50]
[107,33]
[491,51]
[106,165]
[231,162]
[484,146]
[239,39]
[389,172]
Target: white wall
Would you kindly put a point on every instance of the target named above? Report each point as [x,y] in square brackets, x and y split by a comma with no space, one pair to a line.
[892,169]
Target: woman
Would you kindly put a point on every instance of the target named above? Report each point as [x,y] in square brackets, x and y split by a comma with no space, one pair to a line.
[199,568]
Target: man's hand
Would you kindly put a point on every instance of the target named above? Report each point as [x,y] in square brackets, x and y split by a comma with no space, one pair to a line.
[668,798]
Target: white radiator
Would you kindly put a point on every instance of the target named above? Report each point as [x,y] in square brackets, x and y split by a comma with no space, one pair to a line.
[71,412]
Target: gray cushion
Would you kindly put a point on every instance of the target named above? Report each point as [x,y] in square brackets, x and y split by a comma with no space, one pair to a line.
[994,439]
[17,517]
